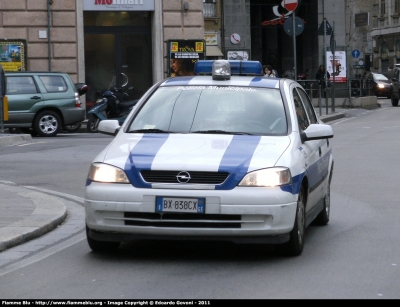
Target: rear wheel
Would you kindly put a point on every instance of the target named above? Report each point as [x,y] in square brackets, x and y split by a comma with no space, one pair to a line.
[323,217]
[295,245]
[92,124]
[100,246]
[395,101]
[47,123]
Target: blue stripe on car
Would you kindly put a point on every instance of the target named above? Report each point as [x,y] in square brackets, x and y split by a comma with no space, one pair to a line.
[294,187]
[142,156]
[236,159]
[264,82]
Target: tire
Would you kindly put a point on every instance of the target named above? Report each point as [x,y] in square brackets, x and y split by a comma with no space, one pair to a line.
[47,123]
[92,124]
[323,217]
[295,245]
[395,101]
[72,128]
[100,246]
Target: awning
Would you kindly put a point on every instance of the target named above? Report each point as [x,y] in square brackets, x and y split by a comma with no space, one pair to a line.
[213,51]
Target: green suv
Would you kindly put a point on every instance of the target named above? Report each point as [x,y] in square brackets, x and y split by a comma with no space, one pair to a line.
[43,101]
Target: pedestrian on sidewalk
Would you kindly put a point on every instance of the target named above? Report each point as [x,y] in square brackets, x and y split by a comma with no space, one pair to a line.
[269,71]
[323,77]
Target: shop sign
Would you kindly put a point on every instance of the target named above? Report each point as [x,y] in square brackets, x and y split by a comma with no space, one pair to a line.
[211,39]
[13,55]
[118,5]
[183,55]
[339,63]
[281,13]
[238,55]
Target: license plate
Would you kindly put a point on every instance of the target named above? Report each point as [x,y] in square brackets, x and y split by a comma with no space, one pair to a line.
[180,204]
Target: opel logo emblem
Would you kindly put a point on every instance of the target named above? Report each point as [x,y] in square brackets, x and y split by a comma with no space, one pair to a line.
[183,177]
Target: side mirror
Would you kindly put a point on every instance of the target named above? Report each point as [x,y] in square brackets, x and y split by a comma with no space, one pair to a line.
[316,132]
[81,88]
[109,127]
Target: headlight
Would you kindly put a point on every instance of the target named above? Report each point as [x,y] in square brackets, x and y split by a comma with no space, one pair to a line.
[106,173]
[381,86]
[269,177]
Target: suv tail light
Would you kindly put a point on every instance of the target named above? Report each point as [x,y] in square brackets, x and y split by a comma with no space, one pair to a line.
[77,101]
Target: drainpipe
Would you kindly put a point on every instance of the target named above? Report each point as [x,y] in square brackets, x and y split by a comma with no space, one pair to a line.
[49,2]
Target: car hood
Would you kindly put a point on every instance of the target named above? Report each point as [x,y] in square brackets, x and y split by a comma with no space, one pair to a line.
[235,154]
[386,82]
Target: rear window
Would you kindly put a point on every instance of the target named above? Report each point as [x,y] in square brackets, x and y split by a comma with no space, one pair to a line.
[21,85]
[213,108]
[54,83]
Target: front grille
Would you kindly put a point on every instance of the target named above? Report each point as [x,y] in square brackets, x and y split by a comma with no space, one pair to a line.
[182,220]
[196,177]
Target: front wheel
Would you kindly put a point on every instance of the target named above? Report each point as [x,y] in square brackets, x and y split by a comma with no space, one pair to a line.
[295,245]
[47,123]
[93,124]
[100,246]
[72,128]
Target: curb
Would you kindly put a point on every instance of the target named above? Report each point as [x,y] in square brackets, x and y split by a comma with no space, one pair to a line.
[14,139]
[49,212]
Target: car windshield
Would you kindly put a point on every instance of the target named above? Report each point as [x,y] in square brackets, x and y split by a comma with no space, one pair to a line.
[212,109]
[380,77]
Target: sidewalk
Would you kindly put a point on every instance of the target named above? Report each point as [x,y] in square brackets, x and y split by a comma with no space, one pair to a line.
[27,213]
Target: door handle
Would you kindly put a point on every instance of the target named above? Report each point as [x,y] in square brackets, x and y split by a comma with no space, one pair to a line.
[320,151]
[35,97]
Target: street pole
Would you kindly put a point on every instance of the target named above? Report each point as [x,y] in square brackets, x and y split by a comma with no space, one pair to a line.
[294,45]
[333,69]
[324,50]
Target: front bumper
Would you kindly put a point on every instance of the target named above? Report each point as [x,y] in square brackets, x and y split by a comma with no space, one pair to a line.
[121,212]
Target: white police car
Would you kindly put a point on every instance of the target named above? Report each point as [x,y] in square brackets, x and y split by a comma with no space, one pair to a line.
[223,155]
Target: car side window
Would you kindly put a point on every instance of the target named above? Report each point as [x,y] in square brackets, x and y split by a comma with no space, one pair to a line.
[308,106]
[54,83]
[300,112]
[21,85]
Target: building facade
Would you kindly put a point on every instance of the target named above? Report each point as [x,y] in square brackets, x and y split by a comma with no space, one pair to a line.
[94,41]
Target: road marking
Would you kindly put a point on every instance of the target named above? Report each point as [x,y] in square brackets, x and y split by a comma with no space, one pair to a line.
[44,254]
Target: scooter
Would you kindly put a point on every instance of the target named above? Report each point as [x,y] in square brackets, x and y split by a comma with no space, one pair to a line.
[114,104]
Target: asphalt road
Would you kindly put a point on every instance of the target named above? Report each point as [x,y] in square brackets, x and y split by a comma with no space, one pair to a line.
[356,256]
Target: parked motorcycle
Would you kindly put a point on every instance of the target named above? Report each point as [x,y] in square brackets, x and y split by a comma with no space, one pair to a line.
[114,104]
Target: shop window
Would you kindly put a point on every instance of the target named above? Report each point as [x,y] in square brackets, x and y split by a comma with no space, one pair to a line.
[210,8]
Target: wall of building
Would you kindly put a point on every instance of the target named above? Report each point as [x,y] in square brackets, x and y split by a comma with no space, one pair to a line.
[24,19]
[178,23]
[237,20]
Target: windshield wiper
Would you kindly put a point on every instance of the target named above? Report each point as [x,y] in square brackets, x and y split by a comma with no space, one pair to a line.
[149,131]
[221,132]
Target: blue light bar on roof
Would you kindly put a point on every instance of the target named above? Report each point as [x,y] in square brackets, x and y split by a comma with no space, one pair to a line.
[205,67]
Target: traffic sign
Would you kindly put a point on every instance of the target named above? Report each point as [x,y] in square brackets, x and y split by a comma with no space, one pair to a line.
[328,28]
[290,5]
[298,26]
[355,53]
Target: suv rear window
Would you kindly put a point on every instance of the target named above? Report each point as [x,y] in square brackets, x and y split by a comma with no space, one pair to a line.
[21,85]
[54,83]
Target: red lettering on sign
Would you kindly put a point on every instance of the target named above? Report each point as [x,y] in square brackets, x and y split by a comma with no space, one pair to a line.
[103,2]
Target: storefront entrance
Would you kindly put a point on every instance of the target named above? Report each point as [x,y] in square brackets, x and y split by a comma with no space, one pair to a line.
[115,43]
